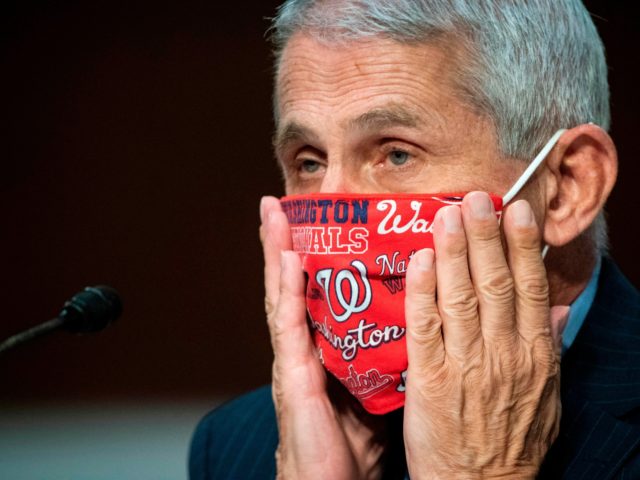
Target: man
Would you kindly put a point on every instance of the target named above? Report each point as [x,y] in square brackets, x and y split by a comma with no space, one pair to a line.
[431,96]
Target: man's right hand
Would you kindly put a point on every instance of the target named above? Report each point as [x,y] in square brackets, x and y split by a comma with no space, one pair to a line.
[318,439]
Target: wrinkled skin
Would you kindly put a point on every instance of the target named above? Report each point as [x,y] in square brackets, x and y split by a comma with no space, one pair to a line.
[495,382]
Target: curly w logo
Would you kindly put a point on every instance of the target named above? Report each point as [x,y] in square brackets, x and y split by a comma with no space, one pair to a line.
[346,292]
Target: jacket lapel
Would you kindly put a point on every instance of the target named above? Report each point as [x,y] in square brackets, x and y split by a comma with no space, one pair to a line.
[600,386]
[592,443]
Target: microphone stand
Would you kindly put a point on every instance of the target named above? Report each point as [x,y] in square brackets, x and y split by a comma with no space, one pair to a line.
[30,334]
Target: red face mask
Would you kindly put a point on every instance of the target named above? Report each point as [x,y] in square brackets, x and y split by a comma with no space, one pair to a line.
[355,250]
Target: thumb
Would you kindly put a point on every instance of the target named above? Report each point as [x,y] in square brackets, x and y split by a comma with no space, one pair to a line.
[297,371]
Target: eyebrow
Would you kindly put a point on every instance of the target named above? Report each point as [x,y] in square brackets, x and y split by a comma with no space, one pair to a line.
[379,118]
[376,119]
[291,133]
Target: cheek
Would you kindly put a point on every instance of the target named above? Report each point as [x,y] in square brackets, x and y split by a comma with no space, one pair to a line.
[500,176]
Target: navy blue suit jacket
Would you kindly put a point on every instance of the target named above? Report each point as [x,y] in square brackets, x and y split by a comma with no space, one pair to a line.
[600,427]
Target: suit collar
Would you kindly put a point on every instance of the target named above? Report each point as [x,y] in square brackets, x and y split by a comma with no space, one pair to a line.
[600,385]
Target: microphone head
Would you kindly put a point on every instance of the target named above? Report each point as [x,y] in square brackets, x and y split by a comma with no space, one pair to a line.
[91,310]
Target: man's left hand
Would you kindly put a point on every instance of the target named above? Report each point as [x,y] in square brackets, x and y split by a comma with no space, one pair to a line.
[482,398]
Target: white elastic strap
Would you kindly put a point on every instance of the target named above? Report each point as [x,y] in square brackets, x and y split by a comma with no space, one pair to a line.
[545,250]
[533,166]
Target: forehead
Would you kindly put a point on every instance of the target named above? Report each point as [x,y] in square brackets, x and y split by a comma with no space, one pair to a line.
[355,77]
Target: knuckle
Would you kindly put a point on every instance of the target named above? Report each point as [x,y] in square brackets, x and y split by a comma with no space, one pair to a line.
[505,344]
[262,234]
[417,292]
[462,303]
[474,370]
[269,306]
[456,249]
[429,379]
[278,328]
[533,286]
[418,303]
[285,289]
[526,238]
[498,288]
[421,309]
[424,331]
[545,360]
[486,232]
[422,313]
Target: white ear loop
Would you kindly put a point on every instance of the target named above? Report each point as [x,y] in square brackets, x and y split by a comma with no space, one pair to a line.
[530,170]
[545,250]
[533,166]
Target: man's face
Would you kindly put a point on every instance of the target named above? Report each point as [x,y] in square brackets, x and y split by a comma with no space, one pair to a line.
[377,116]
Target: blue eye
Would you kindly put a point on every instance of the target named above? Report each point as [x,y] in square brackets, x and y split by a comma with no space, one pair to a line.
[310,166]
[398,157]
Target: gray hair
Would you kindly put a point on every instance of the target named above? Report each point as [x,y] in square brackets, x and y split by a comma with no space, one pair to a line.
[531,66]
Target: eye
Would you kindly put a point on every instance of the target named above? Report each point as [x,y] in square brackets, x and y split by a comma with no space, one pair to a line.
[310,166]
[398,157]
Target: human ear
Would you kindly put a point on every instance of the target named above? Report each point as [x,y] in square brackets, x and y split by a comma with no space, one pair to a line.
[582,170]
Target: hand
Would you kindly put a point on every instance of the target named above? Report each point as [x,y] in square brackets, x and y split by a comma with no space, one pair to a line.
[482,397]
[319,437]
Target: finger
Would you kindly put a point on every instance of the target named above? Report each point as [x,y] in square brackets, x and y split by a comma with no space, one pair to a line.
[490,272]
[275,237]
[424,329]
[295,354]
[527,267]
[457,301]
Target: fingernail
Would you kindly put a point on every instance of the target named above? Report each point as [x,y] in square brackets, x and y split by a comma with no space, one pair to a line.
[452,219]
[283,261]
[522,214]
[481,205]
[424,259]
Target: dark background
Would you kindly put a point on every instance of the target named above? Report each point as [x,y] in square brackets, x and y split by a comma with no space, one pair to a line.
[135,148]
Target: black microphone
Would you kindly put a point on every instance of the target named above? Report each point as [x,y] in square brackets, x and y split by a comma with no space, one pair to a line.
[90,310]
